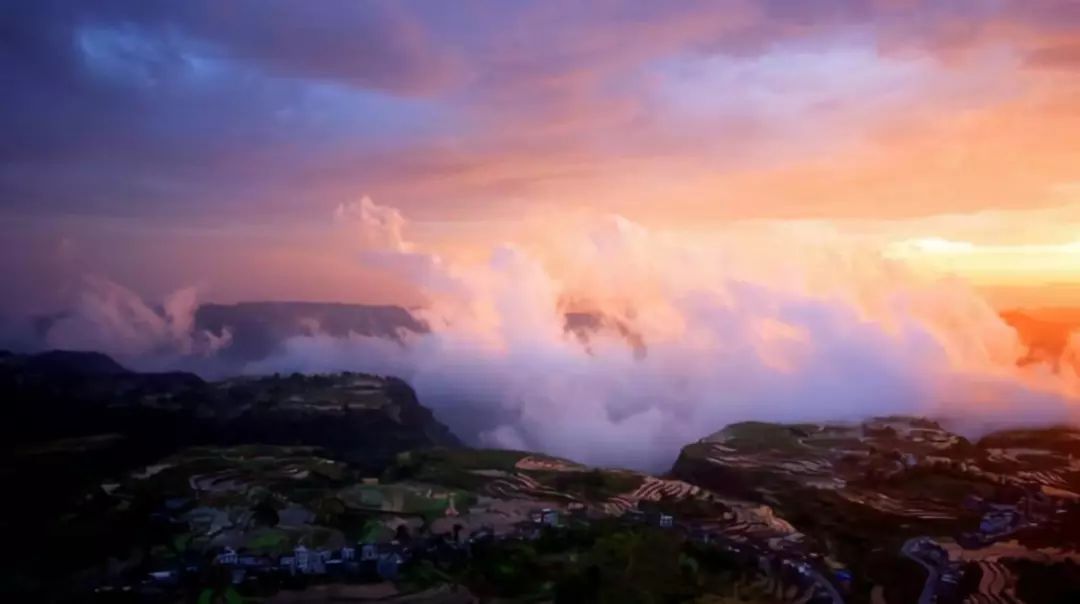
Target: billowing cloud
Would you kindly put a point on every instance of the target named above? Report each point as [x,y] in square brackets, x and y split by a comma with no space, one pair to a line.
[729,334]
[378,227]
[112,319]
[616,344]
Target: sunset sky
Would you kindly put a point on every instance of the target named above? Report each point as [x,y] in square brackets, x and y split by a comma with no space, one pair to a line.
[208,144]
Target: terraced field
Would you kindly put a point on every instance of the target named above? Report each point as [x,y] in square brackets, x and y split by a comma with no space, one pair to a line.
[653,489]
[997,585]
[514,486]
[866,487]
[910,509]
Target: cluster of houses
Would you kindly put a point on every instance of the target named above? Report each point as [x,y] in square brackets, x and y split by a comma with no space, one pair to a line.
[651,518]
[371,560]
[1000,520]
[383,561]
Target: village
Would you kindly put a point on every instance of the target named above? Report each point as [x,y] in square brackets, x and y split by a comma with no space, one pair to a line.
[947,562]
[781,565]
[446,506]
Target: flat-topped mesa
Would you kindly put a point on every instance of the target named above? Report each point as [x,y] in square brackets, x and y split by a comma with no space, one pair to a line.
[258,330]
[898,431]
[884,460]
[363,418]
[1063,440]
[751,458]
[868,489]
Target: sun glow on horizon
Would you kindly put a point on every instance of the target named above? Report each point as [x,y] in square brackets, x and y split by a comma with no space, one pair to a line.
[992,264]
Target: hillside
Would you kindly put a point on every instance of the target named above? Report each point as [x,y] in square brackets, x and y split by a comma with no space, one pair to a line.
[159,483]
[125,482]
[73,394]
[513,525]
[888,492]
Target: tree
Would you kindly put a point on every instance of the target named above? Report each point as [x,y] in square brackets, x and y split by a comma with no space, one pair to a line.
[644,567]
[264,514]
[329,511]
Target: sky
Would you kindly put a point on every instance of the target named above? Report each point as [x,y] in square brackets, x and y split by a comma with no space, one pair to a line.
[771,209]
[208,144]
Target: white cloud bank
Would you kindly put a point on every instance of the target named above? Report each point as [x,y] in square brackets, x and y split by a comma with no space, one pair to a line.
[786,324]
[776,322]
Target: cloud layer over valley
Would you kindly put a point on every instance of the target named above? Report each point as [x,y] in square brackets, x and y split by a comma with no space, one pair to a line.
[617,345]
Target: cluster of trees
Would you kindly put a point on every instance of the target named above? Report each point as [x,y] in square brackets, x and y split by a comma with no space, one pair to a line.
[1051,583]
[605,563]
[591,485]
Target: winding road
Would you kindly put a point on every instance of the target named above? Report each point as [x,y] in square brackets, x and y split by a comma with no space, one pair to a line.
[910,550]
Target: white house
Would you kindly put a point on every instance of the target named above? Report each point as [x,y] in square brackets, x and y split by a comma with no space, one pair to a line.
[369,551]
[302,559]
[348,553]
[228,556]
[549,517]
[163,575]
[317,565]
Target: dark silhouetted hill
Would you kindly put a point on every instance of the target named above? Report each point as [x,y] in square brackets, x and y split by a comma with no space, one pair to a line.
[259,328]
